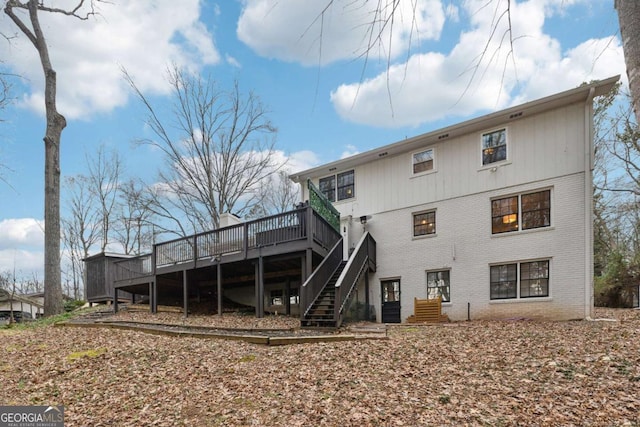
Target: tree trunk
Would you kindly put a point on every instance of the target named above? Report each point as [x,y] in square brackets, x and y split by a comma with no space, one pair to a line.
[629,18]
[53,303]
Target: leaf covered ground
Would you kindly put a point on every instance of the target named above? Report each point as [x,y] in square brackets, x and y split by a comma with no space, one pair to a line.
[468,373]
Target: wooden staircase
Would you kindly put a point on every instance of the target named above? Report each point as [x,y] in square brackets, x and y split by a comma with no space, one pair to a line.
[322,312]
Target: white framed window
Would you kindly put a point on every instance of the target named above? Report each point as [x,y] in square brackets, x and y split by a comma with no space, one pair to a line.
[523,211]
[519,280]
[439,285]
[341,185]
[423,161]
[494,146]
[424,223]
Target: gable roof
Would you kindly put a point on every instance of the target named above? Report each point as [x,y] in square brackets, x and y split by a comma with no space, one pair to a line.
[580,94]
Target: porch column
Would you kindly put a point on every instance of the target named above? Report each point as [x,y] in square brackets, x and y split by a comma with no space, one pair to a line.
[185,292]
[219,289]
[259,287]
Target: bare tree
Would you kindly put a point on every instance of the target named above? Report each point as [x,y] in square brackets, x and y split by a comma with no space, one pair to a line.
[25,15]
[81,228]
[217,150]
[629,18]
[134,229]
[104,177]
[280,193]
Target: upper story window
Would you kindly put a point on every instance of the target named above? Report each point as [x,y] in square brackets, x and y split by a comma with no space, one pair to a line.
[494,146]
[422,161]
[424,223]
[342,185]
[346,185]
[521,212]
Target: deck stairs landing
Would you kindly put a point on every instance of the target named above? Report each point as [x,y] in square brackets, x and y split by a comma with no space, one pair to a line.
[322,311]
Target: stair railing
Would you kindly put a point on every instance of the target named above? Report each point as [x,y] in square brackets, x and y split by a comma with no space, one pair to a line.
[362,257]
[313,286]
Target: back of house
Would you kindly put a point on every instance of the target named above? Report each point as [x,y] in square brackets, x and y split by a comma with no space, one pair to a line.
[493,215]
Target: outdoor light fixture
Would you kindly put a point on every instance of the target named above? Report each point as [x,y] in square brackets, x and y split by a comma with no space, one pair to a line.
[364,219]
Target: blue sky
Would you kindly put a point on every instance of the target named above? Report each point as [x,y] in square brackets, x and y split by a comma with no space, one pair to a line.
[324,100]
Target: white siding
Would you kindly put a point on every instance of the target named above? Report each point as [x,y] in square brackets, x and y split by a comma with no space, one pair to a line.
[544,151]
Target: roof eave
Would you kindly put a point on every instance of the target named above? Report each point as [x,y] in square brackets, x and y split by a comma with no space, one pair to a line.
[581,93]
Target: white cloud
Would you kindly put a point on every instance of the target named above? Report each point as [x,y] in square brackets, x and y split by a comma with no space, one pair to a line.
[21,246]
[141,36]
[302,160]
[232,61]
[25,262]
[310,33]
[432,86]
[350,150]
[21,232]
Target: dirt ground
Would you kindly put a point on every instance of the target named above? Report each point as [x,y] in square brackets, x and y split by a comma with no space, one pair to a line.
[468,373]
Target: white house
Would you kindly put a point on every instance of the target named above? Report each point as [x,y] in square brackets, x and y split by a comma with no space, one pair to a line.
[493,214]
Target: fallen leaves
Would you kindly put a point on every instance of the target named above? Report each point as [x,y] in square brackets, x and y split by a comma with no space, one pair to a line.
[468,373]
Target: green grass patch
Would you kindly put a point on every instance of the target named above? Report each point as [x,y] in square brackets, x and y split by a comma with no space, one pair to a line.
[45,321]
[95,352]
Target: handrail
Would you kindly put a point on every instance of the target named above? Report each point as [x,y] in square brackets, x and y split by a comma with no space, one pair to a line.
[314,285]
[284,227]
[361,258]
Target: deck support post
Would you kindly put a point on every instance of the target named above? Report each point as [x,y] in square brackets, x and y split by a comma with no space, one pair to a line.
[287,297]
[115,300]
[260,287]
[219,283]
[154,298]
[185,292]
[308,265]
[366,295]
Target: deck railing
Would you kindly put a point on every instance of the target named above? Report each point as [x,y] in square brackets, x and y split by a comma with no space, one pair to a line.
[132,268]
[298,224]
[363,258]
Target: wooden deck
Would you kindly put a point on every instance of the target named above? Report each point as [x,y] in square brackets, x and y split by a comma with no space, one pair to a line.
[285,247]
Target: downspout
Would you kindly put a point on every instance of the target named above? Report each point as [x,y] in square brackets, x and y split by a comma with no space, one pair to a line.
[588,197]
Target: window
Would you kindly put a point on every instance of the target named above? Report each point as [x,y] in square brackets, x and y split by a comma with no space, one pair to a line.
[294,296]
[344,189]
[504,215]
[494,146]
[345,185]
[276,297]
[503,281]
[533,280]
[438,285]
[390,290]
[328,187]
[536,209]
[424,223]
[521,212]
[423,161]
